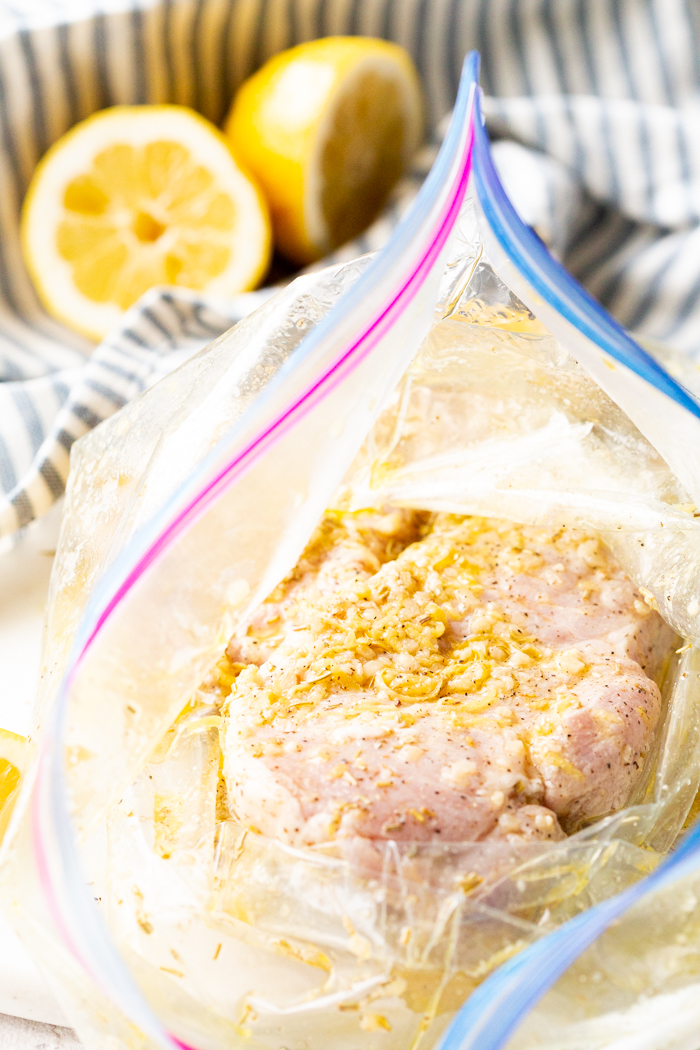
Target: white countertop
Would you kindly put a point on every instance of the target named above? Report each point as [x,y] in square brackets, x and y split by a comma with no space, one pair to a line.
[24,579]
[18,1034]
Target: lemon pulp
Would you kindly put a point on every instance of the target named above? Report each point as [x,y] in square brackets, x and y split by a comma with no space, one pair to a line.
[144,216]
[362,157]
[135,197]
[326,128]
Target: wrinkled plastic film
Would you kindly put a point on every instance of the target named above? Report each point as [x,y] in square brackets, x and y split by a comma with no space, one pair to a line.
[215,933]
[635,984]
[456,940]
[322,406]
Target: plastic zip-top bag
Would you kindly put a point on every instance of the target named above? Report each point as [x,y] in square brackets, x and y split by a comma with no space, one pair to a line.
[362,665]
[621,974]
[238,454]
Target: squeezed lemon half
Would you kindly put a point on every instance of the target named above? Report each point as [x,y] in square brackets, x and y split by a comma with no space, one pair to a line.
[12,754]
[137,196]
[326,128]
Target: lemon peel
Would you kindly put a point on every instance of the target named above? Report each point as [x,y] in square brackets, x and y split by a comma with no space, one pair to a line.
[12,756]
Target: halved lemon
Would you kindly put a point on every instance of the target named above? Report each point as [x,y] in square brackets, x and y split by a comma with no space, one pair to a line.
[137,196]
[12,754]
[327,128]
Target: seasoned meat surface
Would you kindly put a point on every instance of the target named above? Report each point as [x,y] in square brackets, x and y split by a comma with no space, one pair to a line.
[447,679]
[345,549]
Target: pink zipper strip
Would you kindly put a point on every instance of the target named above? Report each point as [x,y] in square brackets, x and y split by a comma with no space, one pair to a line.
[328,381]
[324,385]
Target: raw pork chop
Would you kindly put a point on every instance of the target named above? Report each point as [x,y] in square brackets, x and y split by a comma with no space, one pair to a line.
[446,680]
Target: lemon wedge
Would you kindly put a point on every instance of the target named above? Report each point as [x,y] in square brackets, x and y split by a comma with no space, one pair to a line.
[12,754]
[327,128]
[137,196]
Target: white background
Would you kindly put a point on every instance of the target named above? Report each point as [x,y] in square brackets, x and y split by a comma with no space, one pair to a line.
[24,580]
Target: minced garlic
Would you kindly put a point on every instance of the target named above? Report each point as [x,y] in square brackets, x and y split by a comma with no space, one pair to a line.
[383,638]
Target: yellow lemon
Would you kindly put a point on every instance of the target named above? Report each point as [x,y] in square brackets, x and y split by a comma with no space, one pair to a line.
[137,196]
[326,128]
[12,754]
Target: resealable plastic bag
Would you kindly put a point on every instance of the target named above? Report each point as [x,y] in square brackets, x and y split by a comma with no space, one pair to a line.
[453,372]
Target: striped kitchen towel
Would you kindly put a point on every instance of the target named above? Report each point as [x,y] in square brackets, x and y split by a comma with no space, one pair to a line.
[595,103]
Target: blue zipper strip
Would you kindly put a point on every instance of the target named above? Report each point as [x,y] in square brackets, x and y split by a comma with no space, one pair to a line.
[554,283]
[496,1008]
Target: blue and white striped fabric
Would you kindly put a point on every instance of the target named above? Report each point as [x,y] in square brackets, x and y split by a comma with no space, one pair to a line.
[597,103]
